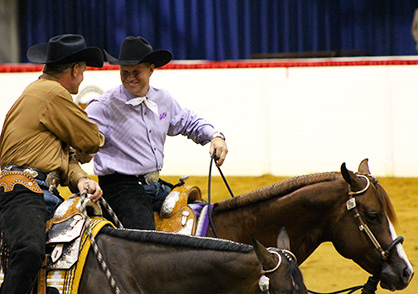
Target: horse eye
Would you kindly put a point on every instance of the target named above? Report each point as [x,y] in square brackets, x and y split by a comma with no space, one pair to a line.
[372,216]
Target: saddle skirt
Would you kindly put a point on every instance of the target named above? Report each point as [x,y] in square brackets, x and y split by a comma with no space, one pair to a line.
[66,230]
[69,244]
[67,281]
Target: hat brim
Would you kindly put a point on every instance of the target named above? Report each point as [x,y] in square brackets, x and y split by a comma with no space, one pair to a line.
[158,57]
[93,56]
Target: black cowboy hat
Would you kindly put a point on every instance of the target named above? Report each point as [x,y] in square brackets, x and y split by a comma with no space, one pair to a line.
[63,49]
[135,50]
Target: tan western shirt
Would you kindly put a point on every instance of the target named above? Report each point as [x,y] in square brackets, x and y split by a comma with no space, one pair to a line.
[40,128]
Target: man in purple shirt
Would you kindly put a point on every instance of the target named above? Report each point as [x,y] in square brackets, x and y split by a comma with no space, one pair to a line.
[135,119]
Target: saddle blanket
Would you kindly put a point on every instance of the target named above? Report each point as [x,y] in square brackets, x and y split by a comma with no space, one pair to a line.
[68,281]
[201,210]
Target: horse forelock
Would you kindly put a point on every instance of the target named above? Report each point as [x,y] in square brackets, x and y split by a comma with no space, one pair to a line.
[276,190]
[171,239]
[384,199]
[295,274]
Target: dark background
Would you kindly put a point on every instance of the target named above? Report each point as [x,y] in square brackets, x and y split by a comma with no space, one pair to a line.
[228,29]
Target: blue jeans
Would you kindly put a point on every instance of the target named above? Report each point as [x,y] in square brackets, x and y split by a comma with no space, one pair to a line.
[51,201]
[158,192]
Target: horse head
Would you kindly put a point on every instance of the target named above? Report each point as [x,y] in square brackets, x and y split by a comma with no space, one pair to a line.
[279,270]
[366,234]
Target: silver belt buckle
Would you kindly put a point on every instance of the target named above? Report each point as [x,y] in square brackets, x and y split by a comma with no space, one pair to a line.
[152,177]
[31,172]
[53,179]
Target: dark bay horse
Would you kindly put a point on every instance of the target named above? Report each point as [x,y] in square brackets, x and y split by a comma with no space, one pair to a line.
[315,209]
[154,262]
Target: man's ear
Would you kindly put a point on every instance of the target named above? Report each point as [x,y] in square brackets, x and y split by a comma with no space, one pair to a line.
[151,69]
[74,70]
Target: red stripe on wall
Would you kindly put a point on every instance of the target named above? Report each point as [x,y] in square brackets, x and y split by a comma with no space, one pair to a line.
[14,68]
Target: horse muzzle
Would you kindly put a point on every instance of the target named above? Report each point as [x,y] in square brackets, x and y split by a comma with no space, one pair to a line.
[396,277]
[396,271]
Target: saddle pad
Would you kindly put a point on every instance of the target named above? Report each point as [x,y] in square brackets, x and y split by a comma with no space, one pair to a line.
[203,219]
[68,281]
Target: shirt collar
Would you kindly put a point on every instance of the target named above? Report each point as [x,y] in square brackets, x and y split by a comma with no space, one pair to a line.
[129,96]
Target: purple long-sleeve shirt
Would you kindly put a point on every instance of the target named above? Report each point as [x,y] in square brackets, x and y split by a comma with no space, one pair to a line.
[135,136]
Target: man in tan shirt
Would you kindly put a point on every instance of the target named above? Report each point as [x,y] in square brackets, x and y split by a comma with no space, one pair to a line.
[39,133]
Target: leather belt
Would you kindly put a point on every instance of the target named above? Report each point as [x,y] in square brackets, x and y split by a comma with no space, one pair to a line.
[147,179]
[35,173]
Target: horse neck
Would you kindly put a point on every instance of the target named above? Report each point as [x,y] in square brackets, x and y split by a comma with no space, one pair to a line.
[305,213]
[189,270]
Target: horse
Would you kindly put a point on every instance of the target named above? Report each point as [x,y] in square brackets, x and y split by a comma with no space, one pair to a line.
[156,262]
[351,210]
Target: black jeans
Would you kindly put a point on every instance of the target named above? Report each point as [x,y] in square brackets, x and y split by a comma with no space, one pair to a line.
[128,199]
[22,219]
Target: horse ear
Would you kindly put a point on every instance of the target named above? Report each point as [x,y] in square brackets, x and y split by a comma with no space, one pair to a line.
[260,251]
[283,241]
[351,178]
[363,167]
[346,173]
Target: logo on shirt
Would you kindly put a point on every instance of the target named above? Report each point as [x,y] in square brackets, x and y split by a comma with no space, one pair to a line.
[163,115]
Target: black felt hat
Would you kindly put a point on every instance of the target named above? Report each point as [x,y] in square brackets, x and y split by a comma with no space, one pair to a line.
[135,50]
[63,49]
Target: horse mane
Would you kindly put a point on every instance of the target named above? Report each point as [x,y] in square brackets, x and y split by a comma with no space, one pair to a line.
[276,190]
[287,186]
[171,239]
[387,204]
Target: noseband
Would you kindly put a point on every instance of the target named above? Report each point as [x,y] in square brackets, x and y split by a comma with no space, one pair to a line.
[264,282]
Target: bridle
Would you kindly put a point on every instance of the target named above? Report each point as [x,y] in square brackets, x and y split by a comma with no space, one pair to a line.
[363,227]
[264,282]
[371,285]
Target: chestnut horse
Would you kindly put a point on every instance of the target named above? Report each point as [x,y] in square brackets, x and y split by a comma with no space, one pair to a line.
[154,262]
[351,210]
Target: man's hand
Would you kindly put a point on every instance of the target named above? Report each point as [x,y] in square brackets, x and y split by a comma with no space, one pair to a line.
[218,145]
[94,188]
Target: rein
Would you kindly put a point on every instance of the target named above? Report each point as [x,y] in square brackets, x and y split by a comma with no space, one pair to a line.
[96,250]
[212,159]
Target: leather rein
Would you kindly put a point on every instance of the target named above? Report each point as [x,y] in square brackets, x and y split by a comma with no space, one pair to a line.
[264,281]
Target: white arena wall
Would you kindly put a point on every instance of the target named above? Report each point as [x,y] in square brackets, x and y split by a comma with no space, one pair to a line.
[284,119]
